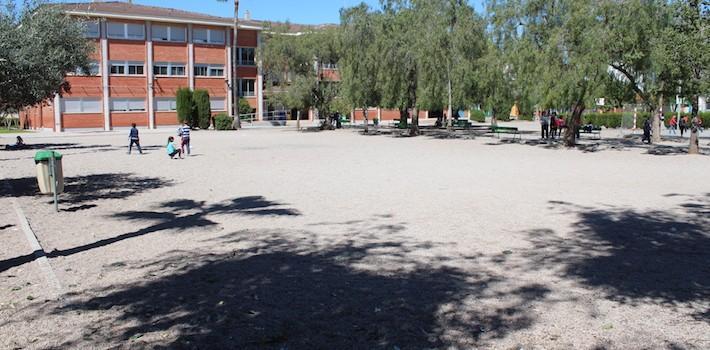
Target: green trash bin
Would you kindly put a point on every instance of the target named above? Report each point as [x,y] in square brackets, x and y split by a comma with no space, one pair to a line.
[43,161]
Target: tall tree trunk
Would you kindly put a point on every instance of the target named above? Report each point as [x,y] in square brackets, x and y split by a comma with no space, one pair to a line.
[364,113]
[414,130]
[449,112]
[403,116]
[694,147]
[575,122]
[237,123]
[656,124]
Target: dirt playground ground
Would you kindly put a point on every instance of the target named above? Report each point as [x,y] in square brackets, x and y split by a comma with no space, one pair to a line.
[278,239]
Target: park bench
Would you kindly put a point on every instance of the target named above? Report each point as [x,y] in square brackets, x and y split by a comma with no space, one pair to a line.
[461,123]
[596,132]
[506,130]
[397,124]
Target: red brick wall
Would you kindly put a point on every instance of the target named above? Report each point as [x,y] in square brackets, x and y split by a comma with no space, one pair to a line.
[210,54]
[167,87]
[252,101]
[247,38]
[125,119]
[128,87]
[83,120]
[386,114]
[330,74]
[166,118]
[126,50]
[170,52]
[48,117]
[84,86]
[246,72]
[215,86]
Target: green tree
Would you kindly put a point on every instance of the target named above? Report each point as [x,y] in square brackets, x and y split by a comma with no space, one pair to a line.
[569,58]
[636,50]
[245,107]
[398,76]
[690,25]
[203,111]
[38,47]
[184,106]
[294,65]
[360,58]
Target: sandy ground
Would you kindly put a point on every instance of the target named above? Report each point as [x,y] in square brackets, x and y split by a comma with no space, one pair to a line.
[280,239]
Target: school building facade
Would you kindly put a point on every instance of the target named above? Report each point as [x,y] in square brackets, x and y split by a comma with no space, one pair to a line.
[142,55]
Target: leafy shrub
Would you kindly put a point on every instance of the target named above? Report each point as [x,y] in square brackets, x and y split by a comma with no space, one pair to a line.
[203,112]
[244,107]
[528,117]
[184,105]
[223,122]
[478,115]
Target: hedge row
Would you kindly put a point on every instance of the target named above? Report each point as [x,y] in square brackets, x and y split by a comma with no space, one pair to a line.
[614,120]
[478,115]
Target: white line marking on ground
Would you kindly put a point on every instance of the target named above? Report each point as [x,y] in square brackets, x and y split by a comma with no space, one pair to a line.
[55,288]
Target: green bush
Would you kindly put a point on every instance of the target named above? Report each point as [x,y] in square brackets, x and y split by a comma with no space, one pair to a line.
[529,117]
[478,115]
[244,107]
[184,105]
[223,122]
[203,112]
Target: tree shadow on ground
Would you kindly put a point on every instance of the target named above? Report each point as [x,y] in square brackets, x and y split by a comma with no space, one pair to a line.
[607,144]
[658,256]
[180,215]
[58,146]
[283,289]
[81,190]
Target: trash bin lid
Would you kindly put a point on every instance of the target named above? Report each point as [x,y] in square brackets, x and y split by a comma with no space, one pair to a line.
[47,155]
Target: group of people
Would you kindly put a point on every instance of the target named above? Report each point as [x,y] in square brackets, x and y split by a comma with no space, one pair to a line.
[551,125]
[183,133]
[683,124]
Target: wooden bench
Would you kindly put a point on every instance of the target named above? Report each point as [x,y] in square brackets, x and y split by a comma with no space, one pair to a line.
[461,123]
[506,130]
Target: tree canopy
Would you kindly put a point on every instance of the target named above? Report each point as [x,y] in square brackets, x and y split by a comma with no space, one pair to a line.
[38,47]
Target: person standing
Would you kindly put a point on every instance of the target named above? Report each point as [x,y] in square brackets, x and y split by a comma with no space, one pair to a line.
[134,139]
[672,125]
[682,125]
[545,125]
[647,131]
[184,133]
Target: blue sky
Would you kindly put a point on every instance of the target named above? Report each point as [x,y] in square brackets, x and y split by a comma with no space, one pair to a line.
[296,11]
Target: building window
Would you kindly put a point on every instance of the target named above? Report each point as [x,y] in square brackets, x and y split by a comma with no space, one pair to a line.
[129,31]
[165,105]
[329,65]
[94,69]
[126,68]
[169,69]
[246,87]
[247,56]
[168,33]
[81,105]
[217,104]
[92,29]
[209,70]
[127,105]
[208,36]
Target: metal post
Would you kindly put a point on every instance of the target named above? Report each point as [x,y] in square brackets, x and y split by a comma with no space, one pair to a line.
[53,175]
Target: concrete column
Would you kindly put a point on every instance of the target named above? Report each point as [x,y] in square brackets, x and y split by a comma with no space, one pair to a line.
[190,58]
[105,76]
[230,74]
[57,113]
[259,83]
[149,68]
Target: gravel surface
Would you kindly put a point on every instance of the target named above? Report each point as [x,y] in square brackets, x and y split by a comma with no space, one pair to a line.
[278,239]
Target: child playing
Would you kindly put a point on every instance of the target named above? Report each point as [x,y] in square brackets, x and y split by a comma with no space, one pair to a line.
[172,151]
